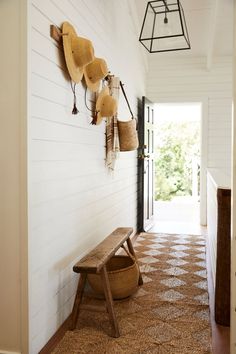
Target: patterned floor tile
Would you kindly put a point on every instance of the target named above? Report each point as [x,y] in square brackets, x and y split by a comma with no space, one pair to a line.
[201,256]
[152,253]
[146,279]
[146,268]
[179,254]
[201,285]
[201,264]
[176,262]
[203,299]
[173,282]
[148,260]
[201,273]
[180,247]
[169,313]
[155,246]
[170,295]
[175,271]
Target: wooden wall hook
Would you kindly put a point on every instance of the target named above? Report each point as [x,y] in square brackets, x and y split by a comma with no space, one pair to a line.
[56,33]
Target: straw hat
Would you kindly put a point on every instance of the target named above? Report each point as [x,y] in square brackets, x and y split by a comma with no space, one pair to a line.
[78,52]
[106,105]
[95,72]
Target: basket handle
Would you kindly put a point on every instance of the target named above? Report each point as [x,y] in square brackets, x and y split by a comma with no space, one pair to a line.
[128,253]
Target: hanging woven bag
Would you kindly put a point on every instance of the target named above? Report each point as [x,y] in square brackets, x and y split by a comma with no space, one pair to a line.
[128,135]
[128,132]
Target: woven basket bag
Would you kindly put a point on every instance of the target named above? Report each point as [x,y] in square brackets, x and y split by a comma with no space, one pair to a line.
[128,135]
[123,275]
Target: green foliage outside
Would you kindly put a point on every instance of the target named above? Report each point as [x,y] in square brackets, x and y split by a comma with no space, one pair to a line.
[177,145]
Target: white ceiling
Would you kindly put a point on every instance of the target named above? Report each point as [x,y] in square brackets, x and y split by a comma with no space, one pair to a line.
[210,27]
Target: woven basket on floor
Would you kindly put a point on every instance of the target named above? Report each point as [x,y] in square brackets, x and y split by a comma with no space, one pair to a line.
[123,274]
[128,135]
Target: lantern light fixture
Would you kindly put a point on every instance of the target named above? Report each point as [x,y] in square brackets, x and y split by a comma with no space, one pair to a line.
[164,27]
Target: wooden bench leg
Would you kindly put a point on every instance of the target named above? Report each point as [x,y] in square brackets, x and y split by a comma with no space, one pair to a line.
[131,249]
[109,301]
[78,299]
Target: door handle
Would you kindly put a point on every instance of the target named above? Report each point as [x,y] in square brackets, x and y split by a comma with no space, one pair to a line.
[143,156]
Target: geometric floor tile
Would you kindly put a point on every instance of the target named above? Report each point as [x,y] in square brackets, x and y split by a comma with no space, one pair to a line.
[201,264]
[201,285]
[161,240]
[203,314]
[203,299]
[201,256]
[173,282]
[168,314]
[146,268]
[140,292]
[177,254]
[155,246]
[175,271]
[201,273]
[180,247]
[152,253]
[146,279]
[201,249]
[170,295]
[182,241]
[162,332]
[176,262]
[148,260]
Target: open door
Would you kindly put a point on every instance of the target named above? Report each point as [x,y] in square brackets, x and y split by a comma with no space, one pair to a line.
[146,166]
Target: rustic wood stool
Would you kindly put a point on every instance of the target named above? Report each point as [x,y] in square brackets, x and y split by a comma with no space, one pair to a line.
[95,262]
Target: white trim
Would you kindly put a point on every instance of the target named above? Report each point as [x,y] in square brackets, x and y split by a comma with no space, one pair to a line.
[203,148]
[233,211]
[203,170]
[212,33]
[24,77]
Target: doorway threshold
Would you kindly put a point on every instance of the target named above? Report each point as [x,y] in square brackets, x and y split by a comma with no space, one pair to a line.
[179,216]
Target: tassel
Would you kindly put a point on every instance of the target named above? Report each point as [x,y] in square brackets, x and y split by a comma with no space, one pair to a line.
[75,109]
[94,120]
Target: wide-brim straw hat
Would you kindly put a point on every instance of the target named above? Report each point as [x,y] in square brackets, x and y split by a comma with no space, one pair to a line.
[78,51]
[94,73]
[106,105]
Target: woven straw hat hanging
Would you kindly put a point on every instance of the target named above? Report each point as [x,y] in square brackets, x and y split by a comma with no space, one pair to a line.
[78,52]
[95,72]
[106,105]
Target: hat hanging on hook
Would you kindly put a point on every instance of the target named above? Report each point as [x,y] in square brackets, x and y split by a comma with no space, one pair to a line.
[106,105]
[78,52]
[95,72]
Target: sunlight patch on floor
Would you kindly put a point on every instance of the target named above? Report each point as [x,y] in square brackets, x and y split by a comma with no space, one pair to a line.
[181,216]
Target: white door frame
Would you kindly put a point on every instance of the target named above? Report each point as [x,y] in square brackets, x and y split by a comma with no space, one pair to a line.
[203,101]
[233,210]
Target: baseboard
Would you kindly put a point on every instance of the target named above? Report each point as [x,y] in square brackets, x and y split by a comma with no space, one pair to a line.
[55,339]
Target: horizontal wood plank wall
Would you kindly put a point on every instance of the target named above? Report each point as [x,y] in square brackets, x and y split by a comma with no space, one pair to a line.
[74,201]
[188,79]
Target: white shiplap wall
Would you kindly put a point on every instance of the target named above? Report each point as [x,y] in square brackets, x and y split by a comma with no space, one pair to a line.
[187,79]
[73,201]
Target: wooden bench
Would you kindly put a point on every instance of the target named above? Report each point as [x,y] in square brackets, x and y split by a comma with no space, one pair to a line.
[95,262]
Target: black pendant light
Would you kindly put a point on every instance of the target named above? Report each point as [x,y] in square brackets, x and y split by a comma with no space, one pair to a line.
[164,27]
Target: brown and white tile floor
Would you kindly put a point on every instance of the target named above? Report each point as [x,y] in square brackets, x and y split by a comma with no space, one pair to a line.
[169,314]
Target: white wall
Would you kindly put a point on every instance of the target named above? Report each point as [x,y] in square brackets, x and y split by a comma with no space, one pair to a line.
[73,201]
[187,79]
